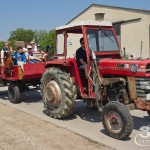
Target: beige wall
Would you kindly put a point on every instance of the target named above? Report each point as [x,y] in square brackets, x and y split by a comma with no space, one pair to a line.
[73,44]
[132,33]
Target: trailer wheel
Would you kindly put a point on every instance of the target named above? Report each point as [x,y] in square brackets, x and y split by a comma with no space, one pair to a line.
[58,93]
[117,120]
[14,94]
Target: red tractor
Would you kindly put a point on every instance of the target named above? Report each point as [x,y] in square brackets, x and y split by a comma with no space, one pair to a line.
[113,83]
[19,79]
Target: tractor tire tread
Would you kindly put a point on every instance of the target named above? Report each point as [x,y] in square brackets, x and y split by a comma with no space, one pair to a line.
[128,122]
[68,93]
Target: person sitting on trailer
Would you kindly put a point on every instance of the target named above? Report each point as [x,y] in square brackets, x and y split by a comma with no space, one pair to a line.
[34,47]
[19,57]
[40,54]
[31,59]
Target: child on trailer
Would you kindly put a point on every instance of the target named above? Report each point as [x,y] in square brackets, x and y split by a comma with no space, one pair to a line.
[19,57]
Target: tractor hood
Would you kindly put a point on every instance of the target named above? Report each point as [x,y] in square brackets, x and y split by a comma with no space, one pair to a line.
[124,67]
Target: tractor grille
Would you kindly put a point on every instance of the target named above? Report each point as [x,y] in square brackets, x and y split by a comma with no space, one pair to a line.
[142,87]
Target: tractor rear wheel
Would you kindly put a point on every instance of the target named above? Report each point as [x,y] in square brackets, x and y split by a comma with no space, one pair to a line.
[117,120]
[58,93]
[14,93]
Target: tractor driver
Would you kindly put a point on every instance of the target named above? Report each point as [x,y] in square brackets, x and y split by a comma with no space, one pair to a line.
[81,57]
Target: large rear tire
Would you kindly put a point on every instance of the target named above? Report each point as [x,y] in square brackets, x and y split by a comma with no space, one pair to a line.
[14,93]
[117,120]
[58,93]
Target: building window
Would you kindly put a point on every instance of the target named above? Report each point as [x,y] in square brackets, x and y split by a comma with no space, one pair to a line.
[99,16]
[117,27]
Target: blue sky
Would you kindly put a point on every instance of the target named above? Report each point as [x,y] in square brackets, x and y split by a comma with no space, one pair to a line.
[48,14]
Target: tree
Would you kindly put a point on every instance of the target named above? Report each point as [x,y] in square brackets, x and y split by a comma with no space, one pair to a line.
[51,39]
[45,38]
[1,45]
[41,37]
[22,34]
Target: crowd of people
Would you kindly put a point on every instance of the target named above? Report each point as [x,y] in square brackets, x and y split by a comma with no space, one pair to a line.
[32,53]
[29,53]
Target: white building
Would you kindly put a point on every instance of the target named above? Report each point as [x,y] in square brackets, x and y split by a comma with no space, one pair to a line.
[132,25]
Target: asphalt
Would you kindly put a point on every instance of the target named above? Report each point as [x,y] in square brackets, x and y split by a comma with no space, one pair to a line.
[84,121]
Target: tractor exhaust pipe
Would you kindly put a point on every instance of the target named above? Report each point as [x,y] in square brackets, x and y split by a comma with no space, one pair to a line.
[97,70]
[97,86]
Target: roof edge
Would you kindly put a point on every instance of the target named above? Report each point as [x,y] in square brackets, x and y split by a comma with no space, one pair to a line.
[88,22]
[107,7]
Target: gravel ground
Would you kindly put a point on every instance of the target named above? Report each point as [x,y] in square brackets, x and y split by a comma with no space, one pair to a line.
[20,131]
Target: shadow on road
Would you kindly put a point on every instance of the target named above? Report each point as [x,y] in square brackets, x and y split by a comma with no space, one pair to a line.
[140,122]
[92,115]
[31,97]
[28,97]
[4,95]
[84,112]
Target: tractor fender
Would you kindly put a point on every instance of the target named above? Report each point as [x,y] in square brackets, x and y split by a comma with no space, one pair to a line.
[54,63]
[70,66]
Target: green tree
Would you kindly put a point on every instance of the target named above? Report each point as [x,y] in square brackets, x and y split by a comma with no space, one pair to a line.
[51,39]
[22,34]
[45,38]
[1,45]
[40,38]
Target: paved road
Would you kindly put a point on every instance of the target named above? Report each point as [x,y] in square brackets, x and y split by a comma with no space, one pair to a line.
[21,131]
[84,121]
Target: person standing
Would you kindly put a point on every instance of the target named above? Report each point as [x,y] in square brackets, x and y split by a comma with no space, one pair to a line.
[7,48]
[6,53]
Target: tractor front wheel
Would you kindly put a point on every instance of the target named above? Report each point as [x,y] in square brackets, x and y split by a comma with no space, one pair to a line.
[14,93]
[58,93]
[117,120]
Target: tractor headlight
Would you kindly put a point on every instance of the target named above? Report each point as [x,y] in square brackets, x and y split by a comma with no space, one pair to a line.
[134,67]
